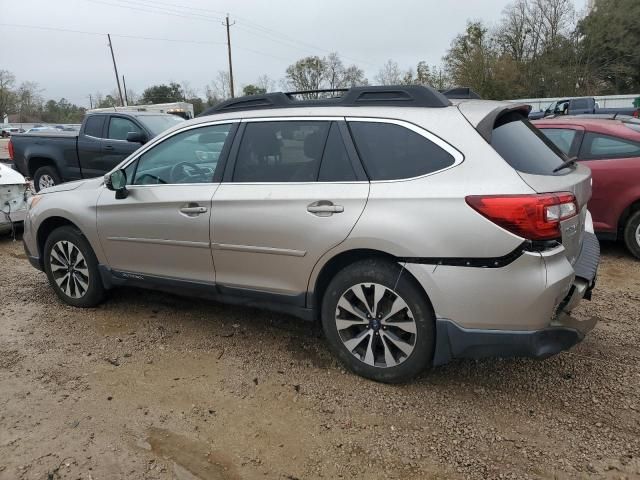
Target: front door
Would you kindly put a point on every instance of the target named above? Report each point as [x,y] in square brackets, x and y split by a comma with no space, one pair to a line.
[161,228]
[115,147]
[292,194]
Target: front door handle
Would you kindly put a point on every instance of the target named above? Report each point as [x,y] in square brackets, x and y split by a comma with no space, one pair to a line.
[108,147]
[193,210]
[324,208]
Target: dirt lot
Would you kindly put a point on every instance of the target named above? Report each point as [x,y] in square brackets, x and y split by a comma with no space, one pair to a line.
[154,386]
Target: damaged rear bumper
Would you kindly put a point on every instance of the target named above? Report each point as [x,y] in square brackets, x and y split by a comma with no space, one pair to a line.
[562,332]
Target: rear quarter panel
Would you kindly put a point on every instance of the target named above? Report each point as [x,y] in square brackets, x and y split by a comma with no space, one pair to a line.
[61,150]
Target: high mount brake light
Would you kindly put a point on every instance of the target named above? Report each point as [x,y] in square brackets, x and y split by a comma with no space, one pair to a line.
[534,217]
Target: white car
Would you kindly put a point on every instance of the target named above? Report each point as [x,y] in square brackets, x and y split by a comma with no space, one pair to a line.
[14,193]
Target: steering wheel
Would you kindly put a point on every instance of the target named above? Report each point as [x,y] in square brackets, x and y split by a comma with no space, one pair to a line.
[179,171]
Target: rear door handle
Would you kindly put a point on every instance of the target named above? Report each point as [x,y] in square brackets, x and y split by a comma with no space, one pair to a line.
[193,210]
[108,147]
[324,208]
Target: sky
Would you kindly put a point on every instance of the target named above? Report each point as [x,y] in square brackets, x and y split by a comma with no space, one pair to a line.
[267,37]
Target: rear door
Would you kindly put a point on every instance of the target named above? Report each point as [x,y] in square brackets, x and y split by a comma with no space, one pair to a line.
[291,192]
[90,142]
[615,166]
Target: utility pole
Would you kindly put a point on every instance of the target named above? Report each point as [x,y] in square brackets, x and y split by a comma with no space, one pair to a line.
[124,85]
[115,69]
[90,101]
[227,24]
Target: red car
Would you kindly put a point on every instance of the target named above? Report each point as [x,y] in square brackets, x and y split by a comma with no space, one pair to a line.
[611,148]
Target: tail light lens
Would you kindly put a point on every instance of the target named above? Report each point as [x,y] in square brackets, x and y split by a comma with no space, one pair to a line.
[534,217]
[10,147]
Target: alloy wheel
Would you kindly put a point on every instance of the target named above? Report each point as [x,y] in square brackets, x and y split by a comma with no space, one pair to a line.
[69,269]
[45,181]
[376,325]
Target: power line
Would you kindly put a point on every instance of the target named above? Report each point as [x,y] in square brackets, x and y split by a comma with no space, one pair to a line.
[39,27]
[248,26]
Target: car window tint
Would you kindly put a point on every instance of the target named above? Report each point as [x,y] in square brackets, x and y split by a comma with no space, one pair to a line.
[336,165]
[524,147]
[287,151]
[187,157]
[391,152]
[597,146]
[119,128]
[561,137]
[580,104]
[93,126]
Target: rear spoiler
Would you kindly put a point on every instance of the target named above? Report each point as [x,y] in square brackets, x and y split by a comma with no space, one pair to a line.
[486,124]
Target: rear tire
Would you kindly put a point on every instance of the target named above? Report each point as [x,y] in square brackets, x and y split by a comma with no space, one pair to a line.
[632,234]
[72,268]
[45,177]
[369,338]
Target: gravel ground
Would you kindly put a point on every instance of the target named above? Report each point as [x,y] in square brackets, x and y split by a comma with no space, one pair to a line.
[155,386]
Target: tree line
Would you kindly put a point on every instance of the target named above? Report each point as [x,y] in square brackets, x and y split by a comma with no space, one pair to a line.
[538,48]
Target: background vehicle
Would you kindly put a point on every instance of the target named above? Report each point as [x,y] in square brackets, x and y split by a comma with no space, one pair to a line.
[8,130]
[14,191]
[577,106]
[105,139]
[611,149]
[415,235]
[181,109]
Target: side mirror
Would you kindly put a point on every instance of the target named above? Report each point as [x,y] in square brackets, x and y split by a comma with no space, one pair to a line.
[136,137]
[117,182]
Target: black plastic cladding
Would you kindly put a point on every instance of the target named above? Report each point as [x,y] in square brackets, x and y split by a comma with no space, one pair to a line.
[395,95]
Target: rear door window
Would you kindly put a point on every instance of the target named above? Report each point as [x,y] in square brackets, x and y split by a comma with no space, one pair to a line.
[524,147]
[94,125]
[392,152]
[562,138]
[281,151]
[597,146]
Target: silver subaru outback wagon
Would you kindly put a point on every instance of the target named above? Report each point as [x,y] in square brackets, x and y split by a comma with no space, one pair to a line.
[414,227]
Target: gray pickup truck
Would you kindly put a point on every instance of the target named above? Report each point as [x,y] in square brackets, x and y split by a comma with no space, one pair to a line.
[580,106]
[104,140]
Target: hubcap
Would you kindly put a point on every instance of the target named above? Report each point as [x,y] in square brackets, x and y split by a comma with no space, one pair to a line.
[69,269]
[46,181]
[376,325]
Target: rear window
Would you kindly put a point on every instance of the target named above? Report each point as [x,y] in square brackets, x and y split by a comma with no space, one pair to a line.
[393,152]
[524,147]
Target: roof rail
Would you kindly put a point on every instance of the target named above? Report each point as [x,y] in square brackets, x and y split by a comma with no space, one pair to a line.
[461,93]
[392,95]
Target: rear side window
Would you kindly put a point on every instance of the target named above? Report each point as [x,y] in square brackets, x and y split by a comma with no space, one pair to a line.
[524,147]
[580,104]
[561,137]
[93,126]
[336,166]
[392,152]
[281,151]
[595,146]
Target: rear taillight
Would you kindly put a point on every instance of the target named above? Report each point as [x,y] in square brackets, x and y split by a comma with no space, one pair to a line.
[534,217]
[10,147]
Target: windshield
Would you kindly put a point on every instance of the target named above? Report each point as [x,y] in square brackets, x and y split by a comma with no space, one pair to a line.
[157,124]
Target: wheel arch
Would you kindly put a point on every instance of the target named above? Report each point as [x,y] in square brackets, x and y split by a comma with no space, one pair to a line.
[332,266]
[46,227]
[626,213]
[34,163]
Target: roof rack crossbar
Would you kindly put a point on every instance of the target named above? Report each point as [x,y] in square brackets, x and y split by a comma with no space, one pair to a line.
[392,95]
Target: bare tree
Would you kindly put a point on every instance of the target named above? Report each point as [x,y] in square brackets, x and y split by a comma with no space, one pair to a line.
[389,74]
[7,95]
[219,89]
[266,83]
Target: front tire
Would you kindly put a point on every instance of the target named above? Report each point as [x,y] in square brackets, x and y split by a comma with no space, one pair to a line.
[379,322]
[46,177]
[632,234]
[72,268]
